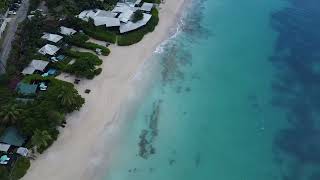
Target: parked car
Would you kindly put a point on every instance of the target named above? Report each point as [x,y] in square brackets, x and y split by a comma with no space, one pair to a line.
[12,12]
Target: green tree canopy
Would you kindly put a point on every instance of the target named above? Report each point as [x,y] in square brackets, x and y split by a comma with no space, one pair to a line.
[10,113]
[40,138]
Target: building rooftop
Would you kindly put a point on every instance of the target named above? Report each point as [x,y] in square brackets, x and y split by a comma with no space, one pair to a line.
[122,7]
[130,26]
[146,7]
[4,147]
[126,16]
[35,65]
[49,49]
[87,14]
[67,31]
[52,37]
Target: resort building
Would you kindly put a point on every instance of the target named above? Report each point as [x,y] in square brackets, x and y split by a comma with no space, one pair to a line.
[35,65]
[130,26]
[147,7]
[4,147]
[67,31]
[120,16]
[100,17]
[52,37]
[49,50]
[22,151]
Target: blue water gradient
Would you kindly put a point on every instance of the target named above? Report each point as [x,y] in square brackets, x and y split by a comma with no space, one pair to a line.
[236,97]
[297,60]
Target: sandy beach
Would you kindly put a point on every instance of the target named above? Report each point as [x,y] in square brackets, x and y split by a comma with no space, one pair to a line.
[70,157]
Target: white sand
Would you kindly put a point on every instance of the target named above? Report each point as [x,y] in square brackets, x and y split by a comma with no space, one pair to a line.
[71,156]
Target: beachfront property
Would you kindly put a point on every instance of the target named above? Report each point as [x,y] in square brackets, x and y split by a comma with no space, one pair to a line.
[49,49]
[120,16]
[35,66]
[12,147]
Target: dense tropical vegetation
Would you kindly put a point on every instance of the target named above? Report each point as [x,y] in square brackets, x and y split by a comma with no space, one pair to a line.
[3,5]
[80,40]
[38,116]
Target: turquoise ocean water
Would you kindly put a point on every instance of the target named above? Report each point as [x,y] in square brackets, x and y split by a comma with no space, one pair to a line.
[221,105]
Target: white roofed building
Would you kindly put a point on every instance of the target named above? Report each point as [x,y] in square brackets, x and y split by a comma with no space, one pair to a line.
[49,49]
[4,147]
[147,7]
[67,31]
[35,65]
[126,16]
[130,26]
[121,8]
[87,14]
[23,151]
[120,16]
[100,17]
[107,21]
[52,37]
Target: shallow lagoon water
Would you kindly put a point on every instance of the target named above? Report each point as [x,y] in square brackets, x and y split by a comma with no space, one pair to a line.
[230,98]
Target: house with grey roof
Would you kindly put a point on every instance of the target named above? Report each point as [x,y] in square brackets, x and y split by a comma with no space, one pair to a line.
[67,31]
[49,49]
[52,37]
[35,65]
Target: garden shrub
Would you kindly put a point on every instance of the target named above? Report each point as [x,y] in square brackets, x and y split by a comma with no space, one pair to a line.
[20,168]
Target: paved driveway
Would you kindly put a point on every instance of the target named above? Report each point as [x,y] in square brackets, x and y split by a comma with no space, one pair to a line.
[10,33]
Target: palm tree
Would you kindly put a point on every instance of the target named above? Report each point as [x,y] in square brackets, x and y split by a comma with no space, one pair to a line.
[10,113]
[66,97]
[40,138]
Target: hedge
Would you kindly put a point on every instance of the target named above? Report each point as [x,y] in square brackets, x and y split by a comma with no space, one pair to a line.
[80,41]
[92,46]
[20,168]
[85,65]
[4,173]
[100,34]
[76,54]
[136,36]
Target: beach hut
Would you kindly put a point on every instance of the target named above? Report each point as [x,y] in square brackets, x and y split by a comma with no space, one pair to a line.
[49,49]
[52,37]
[4,147]
[22,151]
[67,31]
[35,65]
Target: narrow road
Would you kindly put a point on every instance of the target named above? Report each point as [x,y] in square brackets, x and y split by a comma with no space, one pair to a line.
[11,31]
